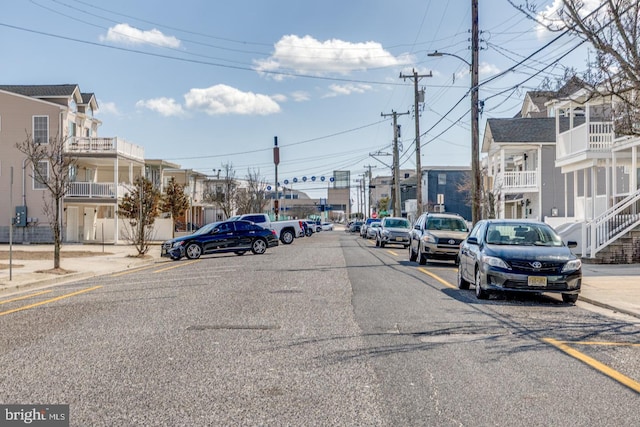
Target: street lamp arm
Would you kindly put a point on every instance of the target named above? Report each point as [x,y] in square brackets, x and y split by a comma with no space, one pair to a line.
[436,53]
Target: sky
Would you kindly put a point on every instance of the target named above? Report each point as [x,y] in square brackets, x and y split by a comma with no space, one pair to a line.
[206,83]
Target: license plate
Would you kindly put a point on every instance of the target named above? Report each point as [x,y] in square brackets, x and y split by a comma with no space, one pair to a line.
[398,239]
[537,281]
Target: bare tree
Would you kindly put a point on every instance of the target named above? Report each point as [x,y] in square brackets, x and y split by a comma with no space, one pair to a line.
[253,198]
[174,200]
[222,192]
[51,170]
[613,29]
[140,207]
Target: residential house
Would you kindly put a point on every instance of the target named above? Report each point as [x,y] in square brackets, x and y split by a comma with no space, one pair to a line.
[603,166]
[104,170]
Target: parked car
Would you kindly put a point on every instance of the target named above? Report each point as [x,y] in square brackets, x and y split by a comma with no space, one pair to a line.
[372,230]
[217,237]
[393,230]
[437,236]
[365,225]
[327,226]
[314,225]
[355,226]
[518,255]
[286,230]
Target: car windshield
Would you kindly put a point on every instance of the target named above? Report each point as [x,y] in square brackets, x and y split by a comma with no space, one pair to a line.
[522,234]
[206,229]
[448,224]
[397,223]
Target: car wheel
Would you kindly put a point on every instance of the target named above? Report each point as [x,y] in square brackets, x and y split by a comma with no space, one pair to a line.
[240,253]
[382,243]
[377,242]
[308,232]
[462,284]
[259,246]
[480,293]
[422,257]
[412,256]
[569,298]
[193,251]
[287,237]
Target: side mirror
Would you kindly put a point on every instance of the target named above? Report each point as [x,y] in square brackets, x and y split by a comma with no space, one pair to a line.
[472,240]
[417,226]
[572,244]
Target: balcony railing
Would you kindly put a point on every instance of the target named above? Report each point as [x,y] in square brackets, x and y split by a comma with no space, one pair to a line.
[595,137]
[518,180]
[102,190]
[88,145]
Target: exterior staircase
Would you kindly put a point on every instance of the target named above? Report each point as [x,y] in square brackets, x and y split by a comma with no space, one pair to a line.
[614,236]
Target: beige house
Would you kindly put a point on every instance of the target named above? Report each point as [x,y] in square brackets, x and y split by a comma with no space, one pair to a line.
[105,169]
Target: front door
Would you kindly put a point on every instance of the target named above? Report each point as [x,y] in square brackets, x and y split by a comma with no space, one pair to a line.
[72,223]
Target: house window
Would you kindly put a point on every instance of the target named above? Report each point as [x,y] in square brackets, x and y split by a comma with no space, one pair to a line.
[41,175]
[442,179]
[41,129]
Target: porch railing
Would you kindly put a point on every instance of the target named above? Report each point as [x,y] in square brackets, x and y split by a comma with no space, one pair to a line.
[611,225]
[91,145]
[591,136]
[97,189]
[519,179]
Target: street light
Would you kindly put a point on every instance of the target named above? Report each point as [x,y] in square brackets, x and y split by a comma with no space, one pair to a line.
[475,131]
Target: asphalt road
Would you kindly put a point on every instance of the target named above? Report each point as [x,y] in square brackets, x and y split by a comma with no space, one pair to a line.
[327,331]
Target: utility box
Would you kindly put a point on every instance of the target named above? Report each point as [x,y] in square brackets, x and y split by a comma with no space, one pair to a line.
[21,216]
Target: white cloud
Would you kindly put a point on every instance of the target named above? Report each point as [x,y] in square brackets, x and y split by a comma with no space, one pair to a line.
[107,108]
[223,99]
[549,15]
[126,34]
[346,89]
[300,96]
[306,55]
[165,106]
[280,97]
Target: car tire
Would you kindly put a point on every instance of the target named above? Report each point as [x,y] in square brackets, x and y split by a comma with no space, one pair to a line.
[480,293]
[412,256]
[569,298]
[193,251]
[259,246]
[462,283]
[422,257]
[240,253]
[287,237]
[382,243]
[377,242]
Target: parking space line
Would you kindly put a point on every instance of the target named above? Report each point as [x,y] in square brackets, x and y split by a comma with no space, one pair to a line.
[610,372]
[438,278]
[37,304]
[24,297]
[392,252]
[182,264]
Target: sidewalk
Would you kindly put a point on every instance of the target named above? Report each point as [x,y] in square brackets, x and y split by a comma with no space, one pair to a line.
[614,287]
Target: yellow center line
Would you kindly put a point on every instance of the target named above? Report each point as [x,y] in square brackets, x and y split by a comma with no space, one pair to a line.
[24,297]
[181,264]
[392,252]
[610,372]
[438,278]
[26,307]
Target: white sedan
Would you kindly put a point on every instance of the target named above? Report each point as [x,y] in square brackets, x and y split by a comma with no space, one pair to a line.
[327,226]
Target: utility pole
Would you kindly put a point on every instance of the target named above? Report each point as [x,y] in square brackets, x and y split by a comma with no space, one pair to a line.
[416,78]
[475,130]
[397,211]
[276,161]
[369,188]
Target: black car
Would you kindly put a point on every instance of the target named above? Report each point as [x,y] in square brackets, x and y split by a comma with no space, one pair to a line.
[518,255]
[218,237]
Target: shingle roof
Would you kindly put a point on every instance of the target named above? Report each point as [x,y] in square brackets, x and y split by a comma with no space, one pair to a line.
[541,129]
[41,91]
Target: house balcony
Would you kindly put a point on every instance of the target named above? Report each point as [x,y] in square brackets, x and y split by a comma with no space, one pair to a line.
[518,181]
[118,146]
[96,190]
[588,141]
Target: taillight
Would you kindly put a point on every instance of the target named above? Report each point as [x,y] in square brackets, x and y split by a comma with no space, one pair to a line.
[274,233]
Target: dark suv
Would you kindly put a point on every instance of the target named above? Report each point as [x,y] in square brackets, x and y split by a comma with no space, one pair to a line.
[437,236]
